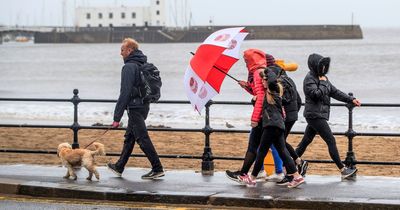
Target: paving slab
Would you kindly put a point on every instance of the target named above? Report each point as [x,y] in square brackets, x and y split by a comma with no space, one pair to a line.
[189,187]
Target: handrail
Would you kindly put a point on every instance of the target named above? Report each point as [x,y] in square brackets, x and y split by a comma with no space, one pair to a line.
[207,157]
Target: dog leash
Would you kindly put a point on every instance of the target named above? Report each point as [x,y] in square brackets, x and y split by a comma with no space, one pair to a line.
[97,138]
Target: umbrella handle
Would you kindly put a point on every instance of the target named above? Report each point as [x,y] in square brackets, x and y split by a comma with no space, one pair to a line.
[222,71]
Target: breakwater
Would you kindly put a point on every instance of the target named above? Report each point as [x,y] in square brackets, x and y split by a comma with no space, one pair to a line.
[195,33]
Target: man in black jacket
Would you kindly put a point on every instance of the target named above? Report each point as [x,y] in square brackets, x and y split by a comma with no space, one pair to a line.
[137,112]
[318,91]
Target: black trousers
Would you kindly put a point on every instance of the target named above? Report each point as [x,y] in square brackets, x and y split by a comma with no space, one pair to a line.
[321,127]
[137,132]
[288,128]
[273,135]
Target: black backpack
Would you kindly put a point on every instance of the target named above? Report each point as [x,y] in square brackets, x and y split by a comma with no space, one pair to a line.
[150,87]
[289,93]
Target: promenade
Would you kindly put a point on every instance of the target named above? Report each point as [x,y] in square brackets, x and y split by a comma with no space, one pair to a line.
[188,187]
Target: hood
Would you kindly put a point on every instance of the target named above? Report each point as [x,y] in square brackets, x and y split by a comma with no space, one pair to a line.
[137,57]
[276,69]
[254,59]
[318,64]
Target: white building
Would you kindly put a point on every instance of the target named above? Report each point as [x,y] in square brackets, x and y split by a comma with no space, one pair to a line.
[152,15]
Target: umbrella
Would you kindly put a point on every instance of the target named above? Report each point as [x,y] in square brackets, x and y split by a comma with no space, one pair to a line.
[211,63]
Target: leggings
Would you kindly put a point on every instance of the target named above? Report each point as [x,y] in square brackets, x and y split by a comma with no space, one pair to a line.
[273,135]
[321,127]
[277,160]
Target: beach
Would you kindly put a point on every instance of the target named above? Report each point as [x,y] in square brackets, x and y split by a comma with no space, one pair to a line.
[182,143]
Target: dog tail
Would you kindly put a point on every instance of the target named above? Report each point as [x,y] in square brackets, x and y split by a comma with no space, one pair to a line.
[99,149]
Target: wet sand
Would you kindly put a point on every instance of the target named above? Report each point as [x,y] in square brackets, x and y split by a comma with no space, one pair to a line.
[222,144]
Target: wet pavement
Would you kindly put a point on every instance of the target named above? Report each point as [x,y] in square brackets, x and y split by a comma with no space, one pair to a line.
[188,187]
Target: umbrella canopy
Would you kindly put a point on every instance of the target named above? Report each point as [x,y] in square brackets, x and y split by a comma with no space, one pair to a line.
[210,64]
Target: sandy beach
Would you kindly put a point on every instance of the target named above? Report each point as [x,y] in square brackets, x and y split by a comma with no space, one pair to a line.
[222,144]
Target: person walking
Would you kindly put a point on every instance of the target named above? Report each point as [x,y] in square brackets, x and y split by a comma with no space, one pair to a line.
[255,62]
[129,99]
[273,131]
[318,91]
[291,102]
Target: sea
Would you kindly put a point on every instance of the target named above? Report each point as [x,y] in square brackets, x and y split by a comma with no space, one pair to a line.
[369,68]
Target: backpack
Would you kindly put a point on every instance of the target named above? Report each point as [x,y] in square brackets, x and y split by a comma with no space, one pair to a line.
[289,93]
[150,85]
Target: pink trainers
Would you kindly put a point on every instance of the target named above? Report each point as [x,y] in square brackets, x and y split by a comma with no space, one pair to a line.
[296,182]
[246,179]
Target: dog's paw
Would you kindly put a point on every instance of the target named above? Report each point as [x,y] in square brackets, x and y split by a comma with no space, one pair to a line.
[65,177]
[75,177]
[89,178]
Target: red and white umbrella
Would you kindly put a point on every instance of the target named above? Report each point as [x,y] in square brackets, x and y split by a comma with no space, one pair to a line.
[211,63]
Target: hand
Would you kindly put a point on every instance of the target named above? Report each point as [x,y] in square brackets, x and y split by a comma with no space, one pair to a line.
[323,78]
[356,102]
[254,124]
[242,83]
[115,124]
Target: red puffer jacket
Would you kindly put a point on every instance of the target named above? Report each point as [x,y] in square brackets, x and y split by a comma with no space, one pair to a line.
[255,61]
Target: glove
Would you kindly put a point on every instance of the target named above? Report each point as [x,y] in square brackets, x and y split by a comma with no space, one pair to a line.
[115,124]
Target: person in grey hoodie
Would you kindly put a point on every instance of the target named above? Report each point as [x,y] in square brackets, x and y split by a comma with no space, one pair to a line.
[318,92]
[130,100]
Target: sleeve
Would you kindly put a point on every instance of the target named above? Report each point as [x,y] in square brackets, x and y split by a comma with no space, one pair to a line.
[339,95]
[128,81]
[258,91]
[315,90]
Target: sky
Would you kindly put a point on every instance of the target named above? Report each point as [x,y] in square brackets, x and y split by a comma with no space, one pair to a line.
[367,13]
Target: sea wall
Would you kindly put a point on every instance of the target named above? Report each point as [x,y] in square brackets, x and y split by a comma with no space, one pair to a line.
[197,33]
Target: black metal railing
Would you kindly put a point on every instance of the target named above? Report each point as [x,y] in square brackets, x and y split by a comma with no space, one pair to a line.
[207,130]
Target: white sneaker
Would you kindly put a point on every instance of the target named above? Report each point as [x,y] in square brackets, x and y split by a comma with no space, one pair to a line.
[275,177]
[262,175]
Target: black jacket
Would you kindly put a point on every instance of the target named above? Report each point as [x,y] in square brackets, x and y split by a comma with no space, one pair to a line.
[291,99]
[130,80]
[318,93]
[272,113]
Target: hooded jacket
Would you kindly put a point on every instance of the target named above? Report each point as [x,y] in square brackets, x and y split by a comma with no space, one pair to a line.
[291,99]
[130,79]
[318,92]
[273,113]
[255,62]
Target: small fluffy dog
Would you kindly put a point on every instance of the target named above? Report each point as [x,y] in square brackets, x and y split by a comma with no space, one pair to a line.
[79,157]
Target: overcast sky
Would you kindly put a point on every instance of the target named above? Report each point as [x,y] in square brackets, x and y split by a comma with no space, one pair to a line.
[367,13]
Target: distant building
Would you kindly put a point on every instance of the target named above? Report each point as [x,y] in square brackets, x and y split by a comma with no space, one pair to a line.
[152,15]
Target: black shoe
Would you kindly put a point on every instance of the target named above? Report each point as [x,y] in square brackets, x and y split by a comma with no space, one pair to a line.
[153,175]
[233,175]
[347,172]
[302,168]
[114,169]
[285,181]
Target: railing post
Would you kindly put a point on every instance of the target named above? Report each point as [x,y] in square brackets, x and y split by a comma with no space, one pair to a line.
[207,165]
[350,160]
[75,126]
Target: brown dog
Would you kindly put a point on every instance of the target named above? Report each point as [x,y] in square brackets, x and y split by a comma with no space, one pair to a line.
[79,157]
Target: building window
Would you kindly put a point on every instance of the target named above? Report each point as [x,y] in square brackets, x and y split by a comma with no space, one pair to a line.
[87,15]
[158,22]
[158,2]
[133,15]
[100,25]
[100,15]
[123,15]
[158,12]
[110,15]
[88,25]
[133,24]
[111,25]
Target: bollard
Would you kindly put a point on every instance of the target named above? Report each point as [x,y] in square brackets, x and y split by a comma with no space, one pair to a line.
[350,160]
[75,126]
[207,165]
